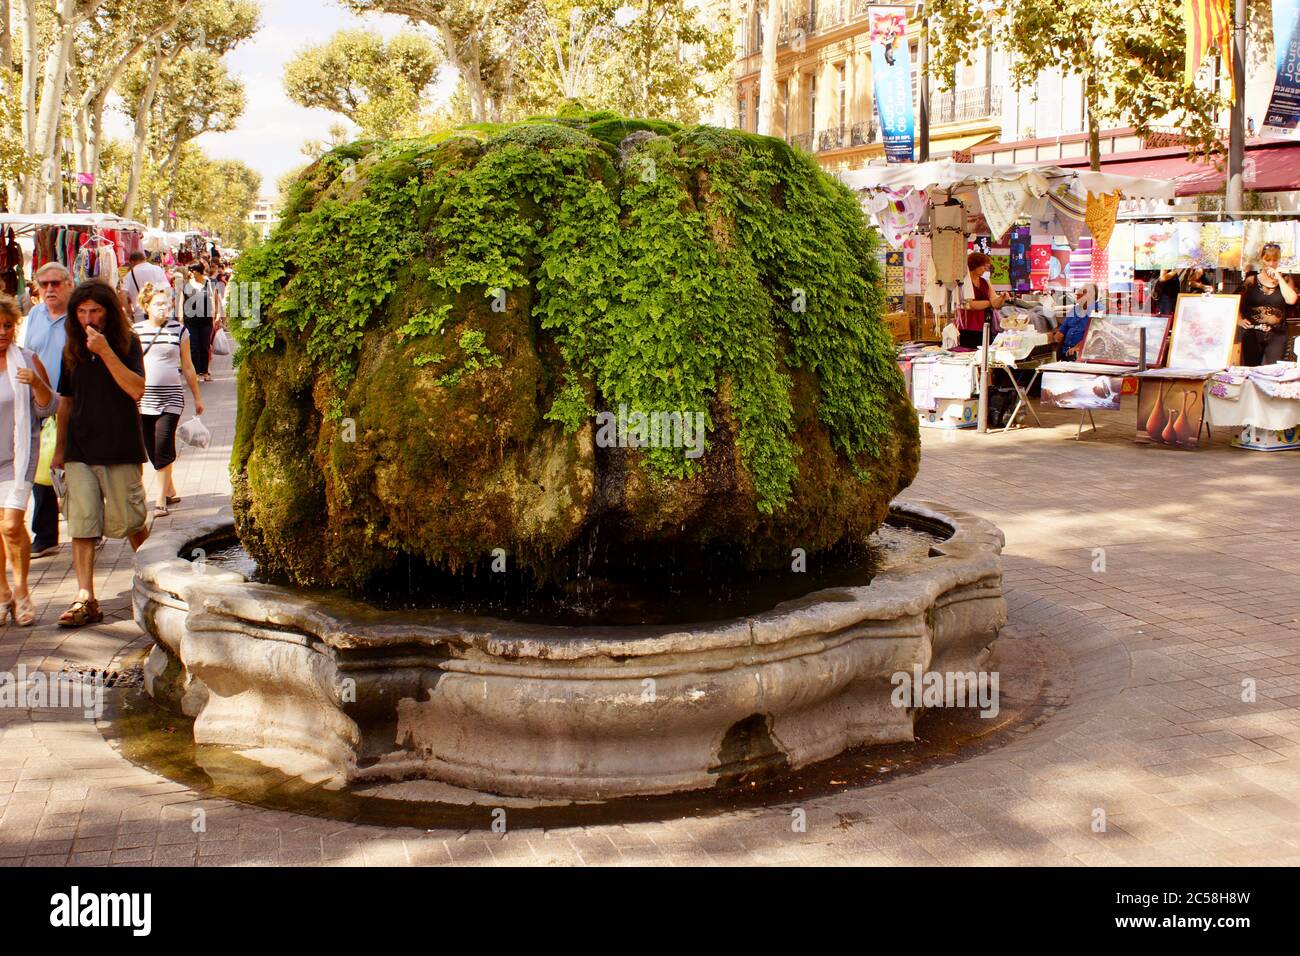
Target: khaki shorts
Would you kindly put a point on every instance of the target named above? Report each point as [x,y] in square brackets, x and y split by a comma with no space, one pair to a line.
[104,500]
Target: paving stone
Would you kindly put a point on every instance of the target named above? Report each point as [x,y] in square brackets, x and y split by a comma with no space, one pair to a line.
[1155,731]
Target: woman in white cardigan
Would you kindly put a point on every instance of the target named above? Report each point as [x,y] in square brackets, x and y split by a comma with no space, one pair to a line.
[25,398]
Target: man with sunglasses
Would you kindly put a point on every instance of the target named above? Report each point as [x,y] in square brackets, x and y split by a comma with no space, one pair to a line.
[43,331]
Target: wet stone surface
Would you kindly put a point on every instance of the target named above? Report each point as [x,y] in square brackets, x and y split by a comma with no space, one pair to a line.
[1035,680]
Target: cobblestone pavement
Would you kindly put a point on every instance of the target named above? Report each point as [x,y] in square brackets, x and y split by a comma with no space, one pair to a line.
[1168,580]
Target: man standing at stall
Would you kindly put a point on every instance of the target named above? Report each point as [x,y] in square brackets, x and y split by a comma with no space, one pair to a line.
[141,274]
[44,333]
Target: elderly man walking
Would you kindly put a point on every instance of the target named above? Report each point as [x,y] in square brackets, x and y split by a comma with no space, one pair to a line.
[43,332]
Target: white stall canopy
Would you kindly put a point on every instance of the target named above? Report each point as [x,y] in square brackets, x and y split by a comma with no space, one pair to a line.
[947,175]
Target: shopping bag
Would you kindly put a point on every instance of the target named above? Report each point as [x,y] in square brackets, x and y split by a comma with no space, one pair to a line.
[221,343]
[195,433]
[49,437]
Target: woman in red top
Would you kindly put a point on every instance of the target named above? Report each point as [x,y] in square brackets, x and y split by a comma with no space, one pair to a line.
[970,319]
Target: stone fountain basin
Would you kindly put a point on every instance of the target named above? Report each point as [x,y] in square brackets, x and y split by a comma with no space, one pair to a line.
[339,691]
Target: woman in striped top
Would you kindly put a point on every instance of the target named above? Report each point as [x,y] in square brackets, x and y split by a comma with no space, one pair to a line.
[168,367]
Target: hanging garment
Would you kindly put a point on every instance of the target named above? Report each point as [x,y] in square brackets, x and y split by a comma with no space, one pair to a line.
[948,241]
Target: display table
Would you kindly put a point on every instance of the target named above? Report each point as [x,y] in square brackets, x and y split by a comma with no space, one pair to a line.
[1268,422]
[945,385]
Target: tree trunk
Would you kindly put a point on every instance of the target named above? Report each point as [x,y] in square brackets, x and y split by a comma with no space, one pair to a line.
[143,115]
[96,141]
[80,126]
[1094,130]
[53,78]
[767,71]
[6,37]
[468,72]
[28,98]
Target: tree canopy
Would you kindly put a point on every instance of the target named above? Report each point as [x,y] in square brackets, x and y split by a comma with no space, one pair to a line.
[375,83]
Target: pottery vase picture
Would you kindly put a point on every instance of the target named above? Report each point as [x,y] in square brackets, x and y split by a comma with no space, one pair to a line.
[1168,436]
[1185,431]
[1156,421]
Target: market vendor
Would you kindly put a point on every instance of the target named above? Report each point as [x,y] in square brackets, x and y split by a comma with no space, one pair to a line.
[1265,296]
[1193,282]
[1164,293]
[970,324]
[1075,324]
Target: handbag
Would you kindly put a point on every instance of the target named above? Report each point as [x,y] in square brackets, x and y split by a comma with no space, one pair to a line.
[49,438]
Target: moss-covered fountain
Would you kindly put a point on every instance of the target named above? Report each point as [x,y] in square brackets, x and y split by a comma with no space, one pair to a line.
[483,355]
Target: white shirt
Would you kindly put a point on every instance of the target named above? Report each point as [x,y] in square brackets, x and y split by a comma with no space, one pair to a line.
[139,277]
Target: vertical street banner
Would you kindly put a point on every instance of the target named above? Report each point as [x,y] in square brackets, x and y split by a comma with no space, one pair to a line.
[891,74]
[1283,116]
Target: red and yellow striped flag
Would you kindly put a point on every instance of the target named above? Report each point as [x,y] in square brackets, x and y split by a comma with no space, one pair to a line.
[1208,22]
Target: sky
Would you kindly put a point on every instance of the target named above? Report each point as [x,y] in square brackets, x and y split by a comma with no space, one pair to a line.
[272,130]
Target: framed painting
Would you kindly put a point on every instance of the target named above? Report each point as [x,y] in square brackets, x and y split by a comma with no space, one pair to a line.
[1171,411]
[1205,327]
[1115,340]
[1073,390]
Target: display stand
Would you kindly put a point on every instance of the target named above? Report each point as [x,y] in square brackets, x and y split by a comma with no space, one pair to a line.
[1172,407]
[1022,396]
[1092,421]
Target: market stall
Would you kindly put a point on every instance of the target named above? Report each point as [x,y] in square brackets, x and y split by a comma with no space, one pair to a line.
[1263,402]
[932,214]
[90,245]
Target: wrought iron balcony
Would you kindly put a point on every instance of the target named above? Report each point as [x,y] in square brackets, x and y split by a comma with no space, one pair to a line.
[837,137]
[982,102]
[817,18]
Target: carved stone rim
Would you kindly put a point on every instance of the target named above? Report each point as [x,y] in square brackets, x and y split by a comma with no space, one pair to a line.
[968,555]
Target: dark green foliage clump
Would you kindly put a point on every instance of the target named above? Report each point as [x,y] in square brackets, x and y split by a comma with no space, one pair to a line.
[440,320]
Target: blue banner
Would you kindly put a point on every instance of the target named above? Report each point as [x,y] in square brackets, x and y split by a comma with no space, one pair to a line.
[891,74]
[1283,116]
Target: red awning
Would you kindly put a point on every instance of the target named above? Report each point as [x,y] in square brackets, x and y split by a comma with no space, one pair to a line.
[1269,167]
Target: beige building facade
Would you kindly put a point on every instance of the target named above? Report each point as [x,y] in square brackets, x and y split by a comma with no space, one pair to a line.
[824,94]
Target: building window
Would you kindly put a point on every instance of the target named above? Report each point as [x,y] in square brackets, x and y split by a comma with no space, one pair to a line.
[785,106]
[740,113]
[843,90]
[812,102]
[916,89]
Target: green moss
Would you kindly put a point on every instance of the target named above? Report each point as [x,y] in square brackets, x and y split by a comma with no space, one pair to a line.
[475,297]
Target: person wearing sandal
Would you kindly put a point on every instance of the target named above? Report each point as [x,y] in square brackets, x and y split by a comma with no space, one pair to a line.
[100,445]
[25,398]
[168,368]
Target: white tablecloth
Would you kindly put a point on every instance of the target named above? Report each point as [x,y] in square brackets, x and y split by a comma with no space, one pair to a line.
[1253,408]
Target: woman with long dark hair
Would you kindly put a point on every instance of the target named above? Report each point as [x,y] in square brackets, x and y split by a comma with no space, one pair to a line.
[100,445]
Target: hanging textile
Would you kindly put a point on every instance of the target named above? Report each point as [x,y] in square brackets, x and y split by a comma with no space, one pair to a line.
[948,241]
[1002,202]
[1100,218]
[1119,256]
[11,276]
[1070,210]
[896,214]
